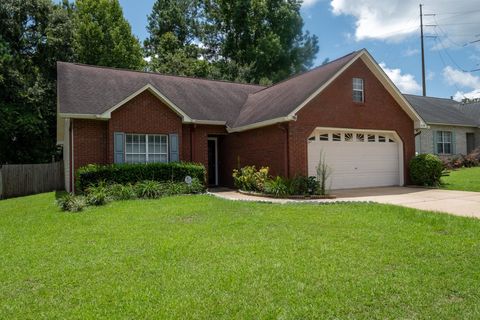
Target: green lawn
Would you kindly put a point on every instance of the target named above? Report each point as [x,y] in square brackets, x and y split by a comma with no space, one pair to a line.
[198,257]
[466,179]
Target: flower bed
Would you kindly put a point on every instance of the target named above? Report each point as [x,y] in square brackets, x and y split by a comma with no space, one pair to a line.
[292,197]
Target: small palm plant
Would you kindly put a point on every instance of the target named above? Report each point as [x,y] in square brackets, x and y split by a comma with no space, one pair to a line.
[323,173]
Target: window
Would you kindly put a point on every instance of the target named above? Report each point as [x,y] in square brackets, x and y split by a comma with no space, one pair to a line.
[336,137]
[143,148]
[444,142]
[382,139]
[371,138]
[348,137]
[312,138]
[360,137]
[358,95]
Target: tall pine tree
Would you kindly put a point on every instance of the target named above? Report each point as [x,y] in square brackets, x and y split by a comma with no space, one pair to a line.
[104,37]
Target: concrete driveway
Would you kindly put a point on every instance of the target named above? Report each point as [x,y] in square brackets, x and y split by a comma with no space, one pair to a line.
[460,203]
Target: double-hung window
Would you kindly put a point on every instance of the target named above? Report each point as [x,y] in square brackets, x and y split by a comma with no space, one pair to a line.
[444,142]
[358,90]
[143,148]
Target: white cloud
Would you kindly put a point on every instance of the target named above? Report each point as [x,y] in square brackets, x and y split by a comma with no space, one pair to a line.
[396,19]
[462,79]
[460,95]
[411,52]
[430,75]
[406,82]
[309,3]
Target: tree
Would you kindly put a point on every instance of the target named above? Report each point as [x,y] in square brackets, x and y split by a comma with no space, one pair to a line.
[258,41]
[173,44]
[264,35]
[103,36]
[34,35]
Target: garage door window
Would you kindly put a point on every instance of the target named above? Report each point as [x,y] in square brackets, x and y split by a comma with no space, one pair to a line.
[336,137]
[360,137]
[324,137]
[371,138]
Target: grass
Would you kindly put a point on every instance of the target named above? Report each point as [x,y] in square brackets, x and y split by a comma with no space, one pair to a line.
[198,257]
[465,179]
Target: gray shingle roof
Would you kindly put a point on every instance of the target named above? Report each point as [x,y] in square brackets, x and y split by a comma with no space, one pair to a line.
[93,90]
[282,98]
[441,111]
[471,110]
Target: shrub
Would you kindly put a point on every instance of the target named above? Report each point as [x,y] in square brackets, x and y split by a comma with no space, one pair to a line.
[426,170]
[302,185]
[149,189]
[249,178]
[121,192]
[97,195]
[196,186]
[92,175]
[277,187]
[71,203]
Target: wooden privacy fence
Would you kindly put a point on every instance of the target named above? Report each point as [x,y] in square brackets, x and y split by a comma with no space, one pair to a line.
[23,179]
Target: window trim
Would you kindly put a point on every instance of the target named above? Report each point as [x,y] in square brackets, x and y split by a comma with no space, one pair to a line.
[146,135]
[362,90]
[440,140]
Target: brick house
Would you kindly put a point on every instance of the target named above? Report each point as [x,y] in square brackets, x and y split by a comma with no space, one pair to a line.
[348,110]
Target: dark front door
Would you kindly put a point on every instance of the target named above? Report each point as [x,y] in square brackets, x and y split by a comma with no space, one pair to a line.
[212,162]
[470,142]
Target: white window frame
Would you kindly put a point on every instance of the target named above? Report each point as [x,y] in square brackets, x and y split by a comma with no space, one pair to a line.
[362,90]
[146,147]
[440,140]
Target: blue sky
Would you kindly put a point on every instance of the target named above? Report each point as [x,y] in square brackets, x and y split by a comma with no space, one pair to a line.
[389,29]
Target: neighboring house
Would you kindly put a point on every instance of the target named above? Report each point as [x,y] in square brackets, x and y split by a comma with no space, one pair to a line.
[453,127]
[348,110]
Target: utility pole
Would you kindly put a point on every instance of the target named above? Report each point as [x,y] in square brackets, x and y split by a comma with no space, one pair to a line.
[424,88]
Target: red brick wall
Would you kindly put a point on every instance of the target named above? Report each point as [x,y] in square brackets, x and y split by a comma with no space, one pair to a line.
[195,142]
[260,147]
[144,114]
[89,142]
[334,108]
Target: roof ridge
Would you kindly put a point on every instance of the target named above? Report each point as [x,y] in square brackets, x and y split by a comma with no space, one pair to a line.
[416,95]
[304,72]
[161,74]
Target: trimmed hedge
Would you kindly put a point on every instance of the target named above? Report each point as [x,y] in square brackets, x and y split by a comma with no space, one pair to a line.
[426,170]
[92,175]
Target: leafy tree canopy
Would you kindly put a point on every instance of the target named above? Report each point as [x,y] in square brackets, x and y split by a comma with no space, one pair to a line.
[260,41]
[104,37]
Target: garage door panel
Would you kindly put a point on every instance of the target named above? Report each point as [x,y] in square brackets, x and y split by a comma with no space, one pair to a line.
[356,164]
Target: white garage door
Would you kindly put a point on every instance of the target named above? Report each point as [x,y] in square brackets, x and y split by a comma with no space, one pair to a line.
[355,159]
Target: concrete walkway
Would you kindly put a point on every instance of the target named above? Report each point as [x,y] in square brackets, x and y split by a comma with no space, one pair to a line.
[460,203]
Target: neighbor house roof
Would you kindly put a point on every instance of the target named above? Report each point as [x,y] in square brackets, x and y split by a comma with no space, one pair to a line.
[94,92]
[471,110]
[441,111]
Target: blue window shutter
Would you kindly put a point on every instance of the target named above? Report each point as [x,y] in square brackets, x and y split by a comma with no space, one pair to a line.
[454,151]
[173,147]
[118,147]
[434,134]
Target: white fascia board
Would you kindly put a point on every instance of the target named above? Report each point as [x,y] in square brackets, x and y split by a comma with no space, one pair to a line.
[185,118]
[209,122]
[384,79]
[261,124]
[452,125]
[392,89]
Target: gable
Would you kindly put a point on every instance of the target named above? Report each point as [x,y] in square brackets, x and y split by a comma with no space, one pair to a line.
[335,106]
